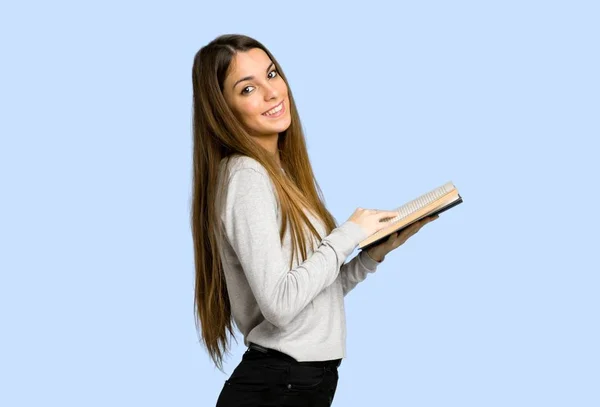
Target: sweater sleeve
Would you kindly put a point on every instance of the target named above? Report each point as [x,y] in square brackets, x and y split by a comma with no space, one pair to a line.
[357,270]
[251,226]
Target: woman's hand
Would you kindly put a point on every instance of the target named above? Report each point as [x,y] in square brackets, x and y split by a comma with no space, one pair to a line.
[371,220]
[395,240]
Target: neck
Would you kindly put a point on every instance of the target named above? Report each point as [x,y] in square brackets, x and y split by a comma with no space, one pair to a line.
[269,143]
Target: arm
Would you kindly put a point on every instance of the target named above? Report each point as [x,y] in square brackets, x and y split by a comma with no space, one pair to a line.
[357,270]
[251,226]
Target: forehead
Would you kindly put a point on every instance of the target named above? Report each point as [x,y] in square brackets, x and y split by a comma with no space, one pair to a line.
[248,63]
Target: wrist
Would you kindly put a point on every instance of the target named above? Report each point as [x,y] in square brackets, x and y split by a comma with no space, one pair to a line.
[374,257]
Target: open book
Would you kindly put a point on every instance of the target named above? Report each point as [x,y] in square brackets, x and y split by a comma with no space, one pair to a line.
[431,203]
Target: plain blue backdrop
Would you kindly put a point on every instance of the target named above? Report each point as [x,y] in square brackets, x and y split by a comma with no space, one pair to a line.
[496,303]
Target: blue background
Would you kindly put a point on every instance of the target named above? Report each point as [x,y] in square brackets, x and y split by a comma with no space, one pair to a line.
[494,304]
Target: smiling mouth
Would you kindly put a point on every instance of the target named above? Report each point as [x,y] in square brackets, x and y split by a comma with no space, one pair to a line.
[276,111]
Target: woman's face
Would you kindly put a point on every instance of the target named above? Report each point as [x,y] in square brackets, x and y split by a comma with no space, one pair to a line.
[252,88]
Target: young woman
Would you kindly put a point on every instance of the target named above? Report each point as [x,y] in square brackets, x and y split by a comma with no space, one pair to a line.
[268,254]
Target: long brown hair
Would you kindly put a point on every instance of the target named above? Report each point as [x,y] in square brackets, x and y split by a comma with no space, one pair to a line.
[219,134]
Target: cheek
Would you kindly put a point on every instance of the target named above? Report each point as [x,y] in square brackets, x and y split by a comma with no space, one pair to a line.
[283,89]
[250,109]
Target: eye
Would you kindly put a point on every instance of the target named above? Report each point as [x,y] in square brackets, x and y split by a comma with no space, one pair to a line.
[244,90]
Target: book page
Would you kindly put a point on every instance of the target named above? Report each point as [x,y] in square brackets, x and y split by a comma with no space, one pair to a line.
[422,201]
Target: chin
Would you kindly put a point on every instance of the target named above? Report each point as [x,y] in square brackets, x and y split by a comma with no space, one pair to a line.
[277,127]
[281,129]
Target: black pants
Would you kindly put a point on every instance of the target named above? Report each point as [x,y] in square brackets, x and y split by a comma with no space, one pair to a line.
[266,377]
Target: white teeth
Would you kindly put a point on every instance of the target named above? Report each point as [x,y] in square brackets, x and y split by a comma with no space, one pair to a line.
[274,110]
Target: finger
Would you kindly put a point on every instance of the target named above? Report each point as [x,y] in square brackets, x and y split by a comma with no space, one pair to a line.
[386,216]
[412,229]
[426,220]
[399,242]
[416,226]
[406,233]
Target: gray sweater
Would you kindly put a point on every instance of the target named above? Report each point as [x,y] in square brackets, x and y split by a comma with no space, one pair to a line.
[299,311]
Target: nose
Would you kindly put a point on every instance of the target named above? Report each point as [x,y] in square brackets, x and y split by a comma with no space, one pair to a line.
[271,92]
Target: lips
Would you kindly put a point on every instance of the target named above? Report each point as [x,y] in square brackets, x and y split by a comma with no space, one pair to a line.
[268,110]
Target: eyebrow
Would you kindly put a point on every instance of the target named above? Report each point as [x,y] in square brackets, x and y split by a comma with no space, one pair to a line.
[247,78]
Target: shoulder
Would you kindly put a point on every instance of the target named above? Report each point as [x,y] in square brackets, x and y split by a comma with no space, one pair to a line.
[240,164]
[243,173]
[247,183]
